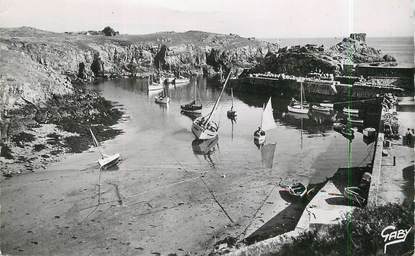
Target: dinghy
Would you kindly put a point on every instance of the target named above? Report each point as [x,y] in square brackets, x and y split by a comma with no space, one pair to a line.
[267,123]
[203,127]
[106,160]
[232,112]
[162,99]
[297,190]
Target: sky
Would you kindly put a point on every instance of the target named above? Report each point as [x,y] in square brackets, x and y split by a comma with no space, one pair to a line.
[258,18]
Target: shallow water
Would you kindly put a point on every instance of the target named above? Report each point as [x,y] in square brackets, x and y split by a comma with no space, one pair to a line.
[307,149]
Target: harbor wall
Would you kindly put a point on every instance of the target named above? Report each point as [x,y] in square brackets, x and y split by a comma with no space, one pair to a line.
[376,171]
[320,88]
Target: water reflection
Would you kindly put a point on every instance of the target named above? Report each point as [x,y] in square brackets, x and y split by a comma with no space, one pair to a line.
[233,122]
[267,155]
[206,148]
[191,115]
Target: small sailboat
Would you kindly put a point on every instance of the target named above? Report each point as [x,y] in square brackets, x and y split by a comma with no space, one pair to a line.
[106,160]
[203,127]
[267,123]
[193,106]
[232,112]
[299,107]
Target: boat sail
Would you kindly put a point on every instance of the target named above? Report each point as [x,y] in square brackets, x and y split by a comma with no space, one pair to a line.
[192,107]
[203,127]
[232,112]
[106,160]
[299,107]
[267,123]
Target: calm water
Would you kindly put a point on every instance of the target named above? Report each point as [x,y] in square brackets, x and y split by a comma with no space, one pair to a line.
[303,148]
[402,48]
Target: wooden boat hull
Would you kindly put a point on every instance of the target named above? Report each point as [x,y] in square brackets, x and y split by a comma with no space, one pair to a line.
[164,100]
[191,108]
[321,109]
[259,139]
[156,87]
[201,132]
[297,110]
[109,161]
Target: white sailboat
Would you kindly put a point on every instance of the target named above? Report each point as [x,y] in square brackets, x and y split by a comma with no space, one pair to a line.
[299,107]
[203,127]
[267,123]
[106,160]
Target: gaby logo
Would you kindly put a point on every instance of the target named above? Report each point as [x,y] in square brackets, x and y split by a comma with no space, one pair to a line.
[393,236]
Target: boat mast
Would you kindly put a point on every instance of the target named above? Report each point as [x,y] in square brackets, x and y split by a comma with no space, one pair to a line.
[262,115]
[96,142]
[217,101]
[301,95]
[232,96]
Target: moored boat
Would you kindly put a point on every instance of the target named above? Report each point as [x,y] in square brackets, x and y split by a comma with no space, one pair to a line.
[321,108]
[299,107]
[267,123]
[203,127]
[232,112]
[193,106]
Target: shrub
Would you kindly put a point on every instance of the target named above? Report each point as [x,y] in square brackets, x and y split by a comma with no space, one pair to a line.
[358,234]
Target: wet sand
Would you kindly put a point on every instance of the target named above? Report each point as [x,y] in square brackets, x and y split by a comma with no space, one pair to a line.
[163,198]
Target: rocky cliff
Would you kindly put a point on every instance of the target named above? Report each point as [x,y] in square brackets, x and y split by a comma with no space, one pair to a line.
[36,64]
[300,60]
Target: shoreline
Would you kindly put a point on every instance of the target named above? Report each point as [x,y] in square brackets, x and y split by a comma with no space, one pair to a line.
[38,136]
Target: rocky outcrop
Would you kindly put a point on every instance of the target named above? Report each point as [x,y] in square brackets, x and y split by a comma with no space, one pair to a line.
[300,60]
[57,57]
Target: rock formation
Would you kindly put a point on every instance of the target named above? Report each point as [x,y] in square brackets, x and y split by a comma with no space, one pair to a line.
[57,57]
[300,60]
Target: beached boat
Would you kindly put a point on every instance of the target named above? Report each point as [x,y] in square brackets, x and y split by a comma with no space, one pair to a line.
[203,127]
[299,107]
[267,123]
[192,107]
[297,189]
[106,160]
[232,112]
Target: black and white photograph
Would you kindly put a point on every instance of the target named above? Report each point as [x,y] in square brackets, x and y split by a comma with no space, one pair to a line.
[195,127]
